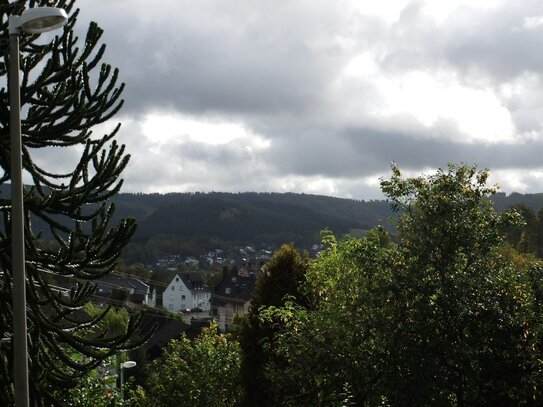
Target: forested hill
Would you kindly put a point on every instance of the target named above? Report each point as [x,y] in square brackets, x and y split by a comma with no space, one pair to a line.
[264,217]
[248,217]
[205,219]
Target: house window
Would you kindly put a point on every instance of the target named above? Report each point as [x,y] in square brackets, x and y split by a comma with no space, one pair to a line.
[176,279]
[170,306]
[182,297]
[227,290]
[173,288]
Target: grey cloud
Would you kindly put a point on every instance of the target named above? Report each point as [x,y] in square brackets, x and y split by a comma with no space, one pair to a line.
[276,69]
[232,59]
[476,43]
[363,151]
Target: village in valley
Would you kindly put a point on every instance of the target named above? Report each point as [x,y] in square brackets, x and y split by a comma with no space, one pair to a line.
[184,293]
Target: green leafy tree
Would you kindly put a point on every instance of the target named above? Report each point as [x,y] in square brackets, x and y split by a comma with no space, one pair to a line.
[332,352]
[137,270]
[539,235]
[457,297]
[97,388]
[446,316]
[199,373]
[281,276]
[65,91]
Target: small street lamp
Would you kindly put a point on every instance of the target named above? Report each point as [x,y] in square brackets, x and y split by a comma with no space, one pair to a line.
[34,21]
[125,365]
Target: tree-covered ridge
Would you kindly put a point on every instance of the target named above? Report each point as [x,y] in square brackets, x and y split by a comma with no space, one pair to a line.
[194,223]
[220,212]
[249,217]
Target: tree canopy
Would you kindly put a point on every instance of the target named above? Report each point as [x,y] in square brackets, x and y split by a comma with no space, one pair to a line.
[281,277]
[447,315]
[199,373]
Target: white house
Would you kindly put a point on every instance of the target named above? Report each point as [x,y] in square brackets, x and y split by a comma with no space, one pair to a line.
[183,293]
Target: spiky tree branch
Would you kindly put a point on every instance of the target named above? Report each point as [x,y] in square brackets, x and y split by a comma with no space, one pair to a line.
[65,91]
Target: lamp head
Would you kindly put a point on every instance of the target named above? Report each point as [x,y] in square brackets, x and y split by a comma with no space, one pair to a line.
[128,364]
[38,20]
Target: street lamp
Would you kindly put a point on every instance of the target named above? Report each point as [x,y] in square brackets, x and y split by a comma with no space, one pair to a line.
[34,21]
[125,365]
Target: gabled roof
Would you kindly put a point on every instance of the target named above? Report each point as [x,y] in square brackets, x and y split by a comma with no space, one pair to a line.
[135,286]
[192,281]
[234,289]
[167,328]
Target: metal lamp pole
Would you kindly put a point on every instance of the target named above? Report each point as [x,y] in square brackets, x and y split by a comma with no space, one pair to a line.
[35,21]
[125,365]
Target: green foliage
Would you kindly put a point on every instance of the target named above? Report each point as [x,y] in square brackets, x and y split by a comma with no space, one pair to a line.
[527,237]
[332,352]
[447,316]
[136,270]
[113,322]
[456,296]
[66,91]
[199,373]
[281,277]
[98,388]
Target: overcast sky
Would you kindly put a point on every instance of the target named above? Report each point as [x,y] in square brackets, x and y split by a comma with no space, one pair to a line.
[321,96]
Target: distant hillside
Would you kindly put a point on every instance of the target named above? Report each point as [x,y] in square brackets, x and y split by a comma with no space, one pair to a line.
[204,220]
[248,217]
[533,201]
[264,217]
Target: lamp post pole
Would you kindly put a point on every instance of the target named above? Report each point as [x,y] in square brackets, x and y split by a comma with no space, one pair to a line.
[34,20]
[18,274]
[125,365]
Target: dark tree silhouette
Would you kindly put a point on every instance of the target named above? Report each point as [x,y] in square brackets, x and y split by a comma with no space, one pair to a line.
[65,91]
[282,276]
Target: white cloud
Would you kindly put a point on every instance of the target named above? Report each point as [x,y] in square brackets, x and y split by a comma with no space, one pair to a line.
[532,22]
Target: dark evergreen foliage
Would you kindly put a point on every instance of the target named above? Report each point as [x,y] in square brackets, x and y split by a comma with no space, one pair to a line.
[281,278]
[65,91]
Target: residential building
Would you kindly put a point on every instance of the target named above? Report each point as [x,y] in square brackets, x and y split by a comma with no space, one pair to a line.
[186,291]
[232,297]
[137,292]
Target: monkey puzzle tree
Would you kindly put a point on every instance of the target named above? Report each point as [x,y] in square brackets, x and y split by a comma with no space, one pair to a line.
[65,91]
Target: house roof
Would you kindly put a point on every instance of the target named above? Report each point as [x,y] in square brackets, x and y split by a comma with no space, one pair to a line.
[138,289]
[193,281]
[234,289]
[167,328]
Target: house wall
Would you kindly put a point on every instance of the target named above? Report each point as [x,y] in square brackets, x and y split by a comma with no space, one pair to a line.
[227,313]
[201,300]
[177,296]
[151,298]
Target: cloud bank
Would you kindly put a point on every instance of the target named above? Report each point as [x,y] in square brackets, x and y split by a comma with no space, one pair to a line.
[321,96]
